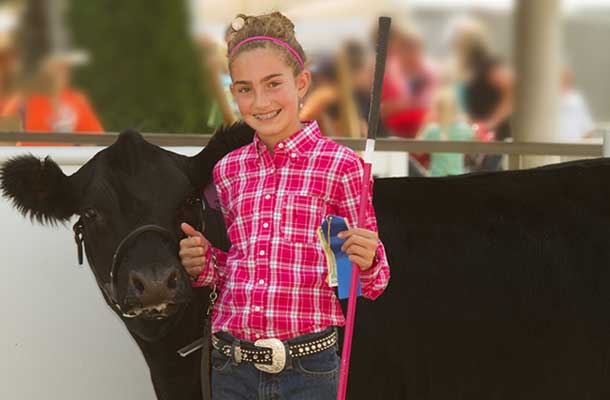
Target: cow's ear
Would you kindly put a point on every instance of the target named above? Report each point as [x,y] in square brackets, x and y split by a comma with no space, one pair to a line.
[225,140]
[38,188]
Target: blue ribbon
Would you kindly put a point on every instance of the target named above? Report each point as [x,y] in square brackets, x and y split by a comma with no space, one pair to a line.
[343,263]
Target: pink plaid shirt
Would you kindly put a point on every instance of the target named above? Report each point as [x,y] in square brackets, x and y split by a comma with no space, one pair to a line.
[272,281]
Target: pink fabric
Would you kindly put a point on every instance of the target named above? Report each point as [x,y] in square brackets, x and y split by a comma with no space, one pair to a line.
[272,282]
[272,39]
[211,196]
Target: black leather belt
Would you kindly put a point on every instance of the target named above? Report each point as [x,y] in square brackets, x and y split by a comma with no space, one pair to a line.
[270,355]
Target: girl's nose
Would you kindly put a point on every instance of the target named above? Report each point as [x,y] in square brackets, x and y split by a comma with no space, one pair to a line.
[261,102]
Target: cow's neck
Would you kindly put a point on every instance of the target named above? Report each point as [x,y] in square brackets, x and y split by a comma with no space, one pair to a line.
[175,377]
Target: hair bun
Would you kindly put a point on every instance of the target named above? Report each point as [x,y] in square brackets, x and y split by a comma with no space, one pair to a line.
[238,23]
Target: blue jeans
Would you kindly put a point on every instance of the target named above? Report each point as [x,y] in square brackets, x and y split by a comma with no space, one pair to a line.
[313,377]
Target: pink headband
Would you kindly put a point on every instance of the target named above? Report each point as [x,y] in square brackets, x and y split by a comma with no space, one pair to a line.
[270,38]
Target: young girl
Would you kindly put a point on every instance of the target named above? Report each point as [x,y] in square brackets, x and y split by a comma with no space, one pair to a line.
[275,311]
[446,124]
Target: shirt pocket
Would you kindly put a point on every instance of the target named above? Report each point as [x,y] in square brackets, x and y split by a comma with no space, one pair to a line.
[301,216]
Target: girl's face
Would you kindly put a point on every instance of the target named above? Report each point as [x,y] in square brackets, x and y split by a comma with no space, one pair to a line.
[268,94]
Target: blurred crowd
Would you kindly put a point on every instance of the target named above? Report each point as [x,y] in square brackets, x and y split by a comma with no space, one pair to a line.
[42,100]
[466,95]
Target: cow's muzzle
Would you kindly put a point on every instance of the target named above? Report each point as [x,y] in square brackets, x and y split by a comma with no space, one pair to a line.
[148,292]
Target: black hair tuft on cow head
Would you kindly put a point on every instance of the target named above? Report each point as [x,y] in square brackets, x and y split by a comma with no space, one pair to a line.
[229,138]
[38,188]
[225,140]
[131,136]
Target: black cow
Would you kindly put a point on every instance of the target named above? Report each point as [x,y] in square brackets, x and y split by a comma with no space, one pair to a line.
[500,288]
[127,186]
[499,285]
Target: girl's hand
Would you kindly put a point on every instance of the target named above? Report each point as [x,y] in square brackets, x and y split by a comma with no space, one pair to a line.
[193,250]
[360,246]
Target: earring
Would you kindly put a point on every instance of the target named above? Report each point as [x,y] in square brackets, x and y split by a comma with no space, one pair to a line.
[300,104]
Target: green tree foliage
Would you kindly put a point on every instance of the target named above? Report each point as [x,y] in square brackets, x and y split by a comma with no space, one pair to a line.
[145,70]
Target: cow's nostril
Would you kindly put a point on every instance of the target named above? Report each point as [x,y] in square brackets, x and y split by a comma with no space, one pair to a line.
[172,281]
[138,285]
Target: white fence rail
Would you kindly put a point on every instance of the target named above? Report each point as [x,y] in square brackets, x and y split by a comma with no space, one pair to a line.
[589,148]
[387,164]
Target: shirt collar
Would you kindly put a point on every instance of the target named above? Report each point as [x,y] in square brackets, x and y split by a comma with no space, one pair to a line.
[299,142]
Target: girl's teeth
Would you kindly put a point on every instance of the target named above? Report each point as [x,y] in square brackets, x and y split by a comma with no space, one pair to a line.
[267,116]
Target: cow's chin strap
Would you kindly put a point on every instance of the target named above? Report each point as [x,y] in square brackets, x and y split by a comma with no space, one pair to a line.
[109,289]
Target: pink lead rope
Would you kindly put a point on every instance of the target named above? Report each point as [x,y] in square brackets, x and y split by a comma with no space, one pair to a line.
[373,124]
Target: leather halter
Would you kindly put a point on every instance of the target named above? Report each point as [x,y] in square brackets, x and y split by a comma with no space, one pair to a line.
[109,289]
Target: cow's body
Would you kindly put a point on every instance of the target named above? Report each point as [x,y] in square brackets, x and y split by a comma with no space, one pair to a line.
[499,288]
[126,187]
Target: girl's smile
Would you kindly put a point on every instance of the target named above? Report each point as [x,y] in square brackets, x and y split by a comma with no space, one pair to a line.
[267,116]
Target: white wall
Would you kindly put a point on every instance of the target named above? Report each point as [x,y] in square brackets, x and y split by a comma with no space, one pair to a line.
[58,338]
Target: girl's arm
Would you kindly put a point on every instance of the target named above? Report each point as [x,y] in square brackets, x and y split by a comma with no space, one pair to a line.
[317,103]
[375,279]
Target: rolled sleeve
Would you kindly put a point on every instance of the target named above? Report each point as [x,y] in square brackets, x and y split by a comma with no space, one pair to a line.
[211,272]
[375,279]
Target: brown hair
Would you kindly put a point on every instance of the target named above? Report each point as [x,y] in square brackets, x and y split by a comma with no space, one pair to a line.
[275,25]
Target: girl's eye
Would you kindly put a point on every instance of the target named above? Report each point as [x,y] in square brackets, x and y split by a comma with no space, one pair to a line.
[243,90]
[274,84]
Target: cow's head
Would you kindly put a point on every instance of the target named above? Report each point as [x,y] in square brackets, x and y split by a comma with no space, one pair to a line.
[127,186]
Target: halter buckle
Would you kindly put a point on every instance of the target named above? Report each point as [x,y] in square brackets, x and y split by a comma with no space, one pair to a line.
[79,239]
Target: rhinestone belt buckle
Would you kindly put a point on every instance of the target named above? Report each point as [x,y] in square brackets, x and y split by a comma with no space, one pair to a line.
[278,355]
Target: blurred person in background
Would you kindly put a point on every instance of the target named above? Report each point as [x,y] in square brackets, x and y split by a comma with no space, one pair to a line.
[214,60]
[483,82]
[54,105]
[322,104]
[575,121]
[409,83]
[446,123]
[51,104]
[484,86]
[9,69]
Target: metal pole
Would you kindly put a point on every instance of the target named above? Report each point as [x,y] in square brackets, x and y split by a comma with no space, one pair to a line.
[537,61]
[606,147]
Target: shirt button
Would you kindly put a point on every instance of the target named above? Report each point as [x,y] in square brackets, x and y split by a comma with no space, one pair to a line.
[261,282]
[293,155]
[257,336]
[265,225]
[262,252]
[281,145]
[257,308]
[267,196]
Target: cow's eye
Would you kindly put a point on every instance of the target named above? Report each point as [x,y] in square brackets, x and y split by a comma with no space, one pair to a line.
[90,213]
